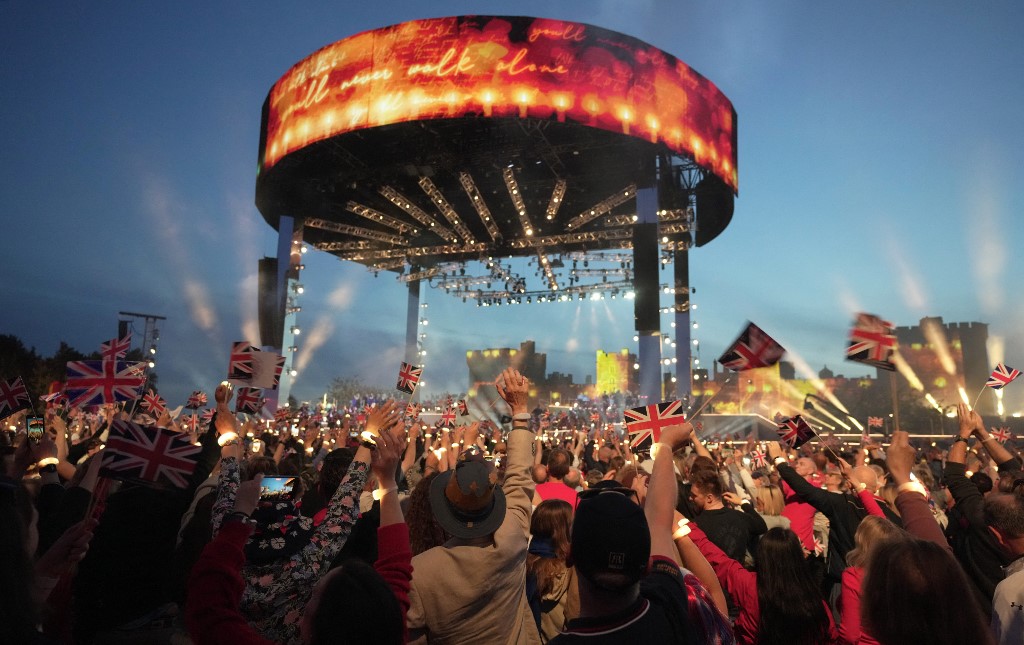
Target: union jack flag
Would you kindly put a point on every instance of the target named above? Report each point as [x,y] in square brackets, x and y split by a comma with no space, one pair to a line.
[13,397]
[1002,375]
[95,382]
[267,368]
[872,342]
[116,348]
[55,398]
[758,459]
[282,414]
[190,422]
[241,366]
[196,400]
[448,417]
[412,410]
[819,546]
[794,431]
[206,417]
[647,422]
[156,456]
[153,403]
[751,350]
[408,377]
[1002,435]
[595,417]
[249,400]
[463,408]
[876,422]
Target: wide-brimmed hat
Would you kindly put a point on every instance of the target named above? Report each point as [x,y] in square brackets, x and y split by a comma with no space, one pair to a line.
[467,501]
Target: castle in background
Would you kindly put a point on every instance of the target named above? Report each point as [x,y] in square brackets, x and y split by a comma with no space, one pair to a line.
[948,361]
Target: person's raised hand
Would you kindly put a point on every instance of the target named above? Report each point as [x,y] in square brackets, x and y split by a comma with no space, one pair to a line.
[775,450]
[222,395]
[676,435]
[513,388]
[381,417]
[970,421]
[387,456]
[45,449]
[900,457]
[248,496]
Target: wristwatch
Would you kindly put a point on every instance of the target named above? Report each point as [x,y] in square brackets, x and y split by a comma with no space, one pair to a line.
[959,438]
[240,517]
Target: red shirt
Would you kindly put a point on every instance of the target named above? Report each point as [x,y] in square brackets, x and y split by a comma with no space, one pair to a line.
[557,490]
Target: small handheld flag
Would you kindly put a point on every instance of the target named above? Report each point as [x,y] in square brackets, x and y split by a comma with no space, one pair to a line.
[96,382]
[408,376]
[646,422]
[1002,435]
[241,365]
[153,403]
[116,348]
[794,431]
[876,422]
[154,456]
[463,408]
[872,342]
[249,400]
[13,397]
[1002,376]
[196,400]
[447,419]
[758,459]
[752,349]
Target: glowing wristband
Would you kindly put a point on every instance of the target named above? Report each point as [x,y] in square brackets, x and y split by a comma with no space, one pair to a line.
[227,438]
[683,529]
[379,493]
[48,461]
[912,486]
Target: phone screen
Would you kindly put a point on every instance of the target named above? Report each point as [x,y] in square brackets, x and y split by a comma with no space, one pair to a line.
[36,428]
[277,489]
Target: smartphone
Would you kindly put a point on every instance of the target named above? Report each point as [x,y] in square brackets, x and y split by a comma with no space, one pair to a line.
[278,489]
[36,427]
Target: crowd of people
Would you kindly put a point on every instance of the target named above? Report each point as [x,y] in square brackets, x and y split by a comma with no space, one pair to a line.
[386,530]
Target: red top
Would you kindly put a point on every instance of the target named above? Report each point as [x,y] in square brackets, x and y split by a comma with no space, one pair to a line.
[741,585]
[850,629]
[557,490]
[800,514]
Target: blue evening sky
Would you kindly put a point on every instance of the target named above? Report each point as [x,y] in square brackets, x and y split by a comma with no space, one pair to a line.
[880,171]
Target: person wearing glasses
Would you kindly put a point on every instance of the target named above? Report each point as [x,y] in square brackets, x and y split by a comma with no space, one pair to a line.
[632,588]
[472,589]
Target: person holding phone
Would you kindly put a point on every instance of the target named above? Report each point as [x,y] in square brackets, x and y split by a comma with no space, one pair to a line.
[374,600]
[276,592]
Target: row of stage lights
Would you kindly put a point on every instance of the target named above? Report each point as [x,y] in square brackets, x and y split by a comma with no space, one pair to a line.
[292,308]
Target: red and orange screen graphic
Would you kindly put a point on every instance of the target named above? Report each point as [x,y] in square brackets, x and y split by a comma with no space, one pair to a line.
[502,67]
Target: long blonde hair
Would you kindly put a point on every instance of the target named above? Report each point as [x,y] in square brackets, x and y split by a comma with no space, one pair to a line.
[871,532]
[770,500]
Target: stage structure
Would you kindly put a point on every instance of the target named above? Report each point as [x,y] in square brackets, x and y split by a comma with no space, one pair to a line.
[442,149]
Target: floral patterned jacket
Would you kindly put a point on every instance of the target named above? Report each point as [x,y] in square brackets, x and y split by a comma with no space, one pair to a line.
[276,593]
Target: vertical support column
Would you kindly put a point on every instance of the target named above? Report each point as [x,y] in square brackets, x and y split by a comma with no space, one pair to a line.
[684,375]
[412,321]
[646,306]
[285,235]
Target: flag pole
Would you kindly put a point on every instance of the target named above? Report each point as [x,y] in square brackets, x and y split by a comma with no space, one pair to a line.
[978,398]
[710,398]
[895,401]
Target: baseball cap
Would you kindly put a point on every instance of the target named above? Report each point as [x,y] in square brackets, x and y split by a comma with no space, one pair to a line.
[466,501]
[611,542]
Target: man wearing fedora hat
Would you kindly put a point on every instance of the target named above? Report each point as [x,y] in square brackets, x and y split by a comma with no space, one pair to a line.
[472,588]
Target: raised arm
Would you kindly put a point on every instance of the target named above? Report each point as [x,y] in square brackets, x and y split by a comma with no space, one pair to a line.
[912,498]
[662,490]
[513,387]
